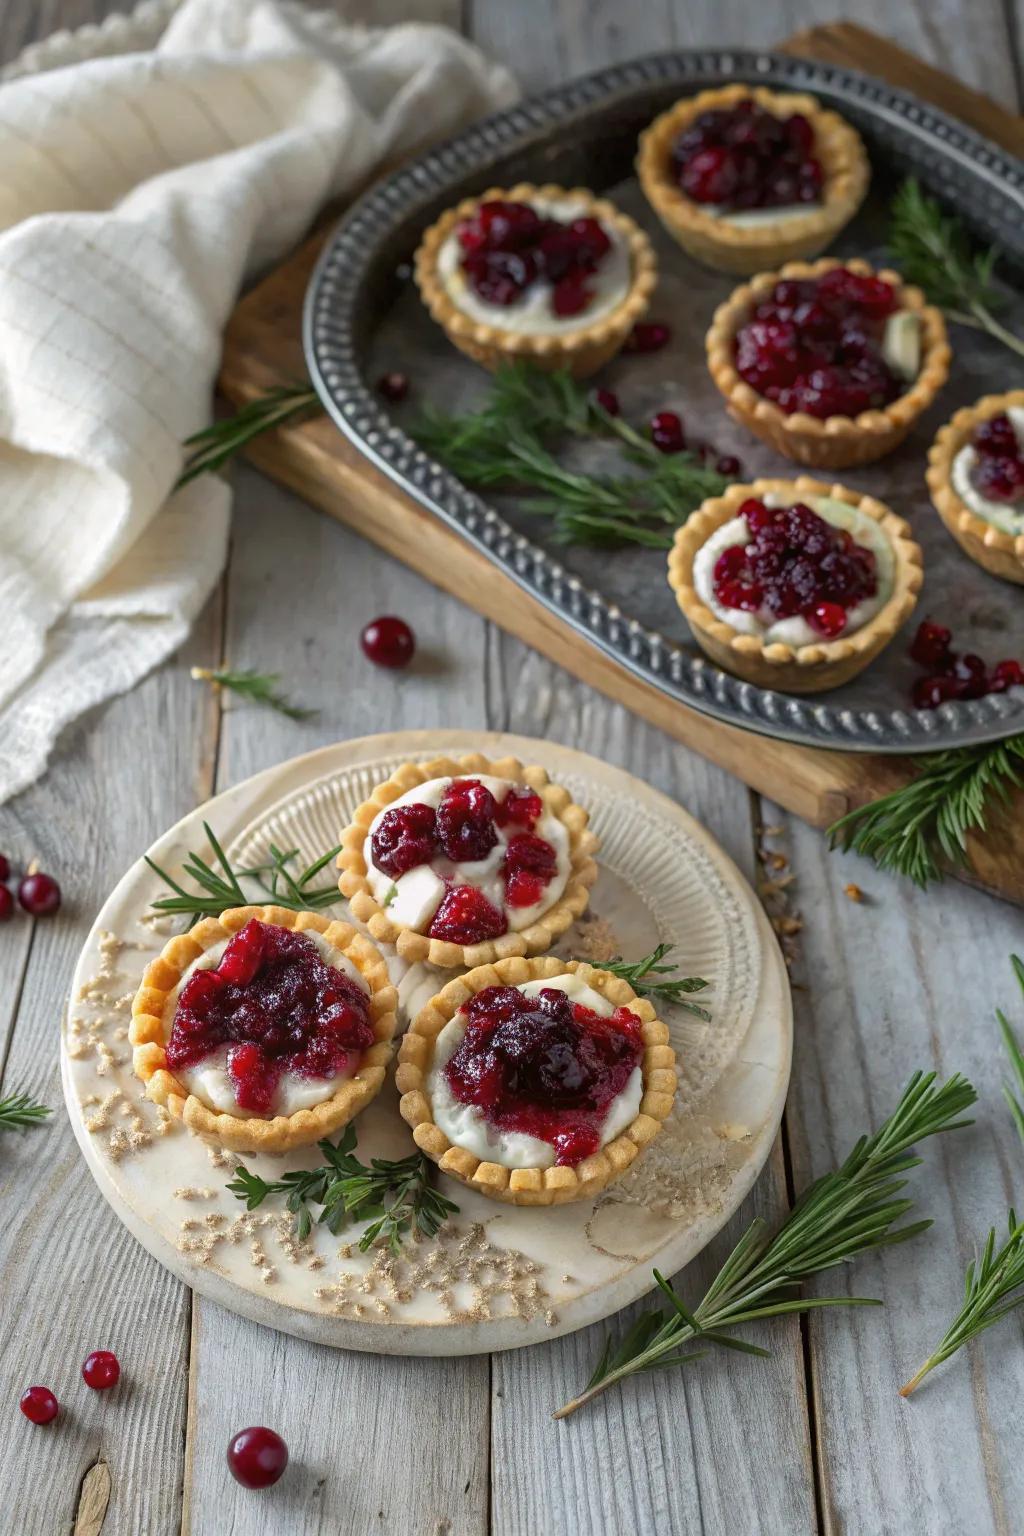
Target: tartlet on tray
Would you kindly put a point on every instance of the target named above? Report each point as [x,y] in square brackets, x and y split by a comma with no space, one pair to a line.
[821,663]
[462,847]
[491,333]
[652,1085]
[997,551]
[827,441]
[837,148]
[354,1001]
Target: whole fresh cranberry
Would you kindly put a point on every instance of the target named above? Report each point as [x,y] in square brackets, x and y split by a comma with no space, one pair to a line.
[930,692]
[930,645]
[388,642]
[101,1370]
[257,1457]
[969,671]
[404,837]
[393,387]
[6,903]
[1006,674]
[648,336]
[39,894]
[39,1405]
[729,466]
[5,867]
[608,400]
[667,432]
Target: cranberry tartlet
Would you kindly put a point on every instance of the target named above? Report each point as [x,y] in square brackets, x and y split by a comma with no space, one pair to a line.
[536,1081]
[556,277]
[976,480]
[794,584]
[461,863]
[829,362]
[264,1029]
[745,178]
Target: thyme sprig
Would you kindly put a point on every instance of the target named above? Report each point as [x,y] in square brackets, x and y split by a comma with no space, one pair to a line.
[18,1112]
[994,1283]
[850,1211]
[257,687]
[223,888]
[394,1197]
[505,444]
[213,446]
[912,829]
[933,250]
[650,979]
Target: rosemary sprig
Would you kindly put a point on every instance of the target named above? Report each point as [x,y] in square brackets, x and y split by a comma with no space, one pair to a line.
[395,1197]
[994,1283]
[649,979]
[933,251]
[847,1212]
[18,1112]
[505,445]
[258,687]
[220,890]
[911,829]
[214,445]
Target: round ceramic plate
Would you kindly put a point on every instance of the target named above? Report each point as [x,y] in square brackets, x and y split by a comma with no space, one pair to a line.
[496,1276]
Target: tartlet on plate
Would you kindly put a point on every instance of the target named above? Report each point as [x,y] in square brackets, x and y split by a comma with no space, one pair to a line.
[723,237]
[550,1130]
[208,1044]
[962,505]
[904,374]
[482,273]
[808,661]
[466,861]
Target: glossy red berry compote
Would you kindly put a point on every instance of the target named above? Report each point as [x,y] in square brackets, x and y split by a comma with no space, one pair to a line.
[815,345]
[745,157]
[278,1007]
[950,675]
[999,470]
[101,1370]
[257,1457]
[465,829]
[508,246]
[39,1405]
[796,562]
[546,1066]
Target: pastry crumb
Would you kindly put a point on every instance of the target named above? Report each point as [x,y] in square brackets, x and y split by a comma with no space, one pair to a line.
[853,892]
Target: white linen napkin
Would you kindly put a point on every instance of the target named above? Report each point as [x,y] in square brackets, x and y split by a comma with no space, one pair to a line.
[137,194]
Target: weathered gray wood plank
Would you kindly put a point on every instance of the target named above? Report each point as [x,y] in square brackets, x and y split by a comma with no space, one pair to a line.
[73,1277]
[906,980]
[426,1420]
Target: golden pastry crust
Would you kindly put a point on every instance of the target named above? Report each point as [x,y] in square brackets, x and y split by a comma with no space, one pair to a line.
[805,668]
[535,1186]
[411,945]
[153,1015]
[835,442]
[1000,553]
[581,351]
[732,248]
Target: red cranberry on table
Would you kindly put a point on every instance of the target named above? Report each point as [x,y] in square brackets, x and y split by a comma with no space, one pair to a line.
[6,903]
[608,400]
[1006,674]
[39,1405]
[951,675]
[930,645]
[648,336]
[388,642]
[728,466]
[667,432]
[39,894]
[101,1370]
[393,387]
[257,1457]
[5,867]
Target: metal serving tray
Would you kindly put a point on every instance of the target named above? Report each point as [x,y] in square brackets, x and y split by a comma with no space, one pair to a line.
[363,317]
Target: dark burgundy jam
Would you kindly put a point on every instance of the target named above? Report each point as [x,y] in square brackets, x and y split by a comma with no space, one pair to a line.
[744,157]
[545,1066]
[999,472]
[507,247]
[278,1007]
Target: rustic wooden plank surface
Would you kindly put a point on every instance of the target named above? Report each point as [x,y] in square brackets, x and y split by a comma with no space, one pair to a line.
[736,1445]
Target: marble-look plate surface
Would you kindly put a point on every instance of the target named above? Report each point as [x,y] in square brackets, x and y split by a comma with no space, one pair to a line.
[497,1276]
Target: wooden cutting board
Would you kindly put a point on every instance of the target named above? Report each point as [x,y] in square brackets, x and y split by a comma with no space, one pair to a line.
[263,348]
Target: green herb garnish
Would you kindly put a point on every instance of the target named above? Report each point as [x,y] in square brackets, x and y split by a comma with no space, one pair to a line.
[650,979]
[217,891]
[215,445]
[257,687]
[18,1112]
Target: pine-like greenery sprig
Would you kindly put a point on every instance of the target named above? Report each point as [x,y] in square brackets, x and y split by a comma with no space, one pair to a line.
[257,687]
[221,887]
[18,1112]
[649,978]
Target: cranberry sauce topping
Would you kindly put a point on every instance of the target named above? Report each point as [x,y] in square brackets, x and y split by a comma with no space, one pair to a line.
[278,1007]
[999,471]
[744,157]
[950,674]
[795,563]
[544,1065]
[815,345]
[509,246]
[467,826]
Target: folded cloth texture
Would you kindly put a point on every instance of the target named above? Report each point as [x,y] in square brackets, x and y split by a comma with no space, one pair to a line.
[139,192]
